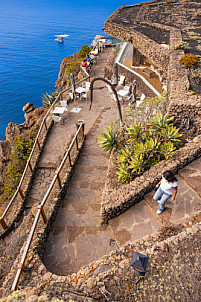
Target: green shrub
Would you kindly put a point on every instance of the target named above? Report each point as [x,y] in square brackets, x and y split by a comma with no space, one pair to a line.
[84,51]
[142,146]
[73,67]
[109,139]
[189,60]
[18,159]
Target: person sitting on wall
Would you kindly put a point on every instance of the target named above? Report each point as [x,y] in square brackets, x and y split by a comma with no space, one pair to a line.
[84,63]
[88,58]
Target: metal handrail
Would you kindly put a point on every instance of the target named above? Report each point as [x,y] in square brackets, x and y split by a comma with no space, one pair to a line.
[36,144]
[41,209]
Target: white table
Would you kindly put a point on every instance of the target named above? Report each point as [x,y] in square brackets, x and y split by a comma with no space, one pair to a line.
[122,93]
[80,90]
[59,110]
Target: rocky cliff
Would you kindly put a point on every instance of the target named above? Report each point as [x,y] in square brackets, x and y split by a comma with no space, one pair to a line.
[33,117]
[63,80]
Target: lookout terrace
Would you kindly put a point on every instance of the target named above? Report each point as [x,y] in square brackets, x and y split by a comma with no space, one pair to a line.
[73,231]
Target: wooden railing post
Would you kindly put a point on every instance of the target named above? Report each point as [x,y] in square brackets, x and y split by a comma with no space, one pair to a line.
[3,224]
[76,143]
[38,144]
[59,181]
[43,215]
[20,192]
[30,166]
[45,124]
[61,96]
[69,159]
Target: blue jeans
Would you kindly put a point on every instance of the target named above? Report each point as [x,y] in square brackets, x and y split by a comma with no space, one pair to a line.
[161,196]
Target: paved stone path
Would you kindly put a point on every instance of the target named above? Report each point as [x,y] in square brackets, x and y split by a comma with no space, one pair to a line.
[77,237]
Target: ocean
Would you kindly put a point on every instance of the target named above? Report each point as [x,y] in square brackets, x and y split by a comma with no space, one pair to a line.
[30,57]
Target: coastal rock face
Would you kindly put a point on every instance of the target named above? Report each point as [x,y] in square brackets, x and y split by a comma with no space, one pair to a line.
[62,81]
[5,150]
[33,117]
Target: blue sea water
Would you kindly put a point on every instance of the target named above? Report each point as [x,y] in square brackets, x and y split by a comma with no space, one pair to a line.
[30,57]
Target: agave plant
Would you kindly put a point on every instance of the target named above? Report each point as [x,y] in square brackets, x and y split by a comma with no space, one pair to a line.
[108,140]
[135,131]
[160,122]
[125,155]
[49,98]
[137,163]
[171,133]
[167,150]
[124,173]
[141,148]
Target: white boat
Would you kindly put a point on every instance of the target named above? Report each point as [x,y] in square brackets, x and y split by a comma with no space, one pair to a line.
[60,38]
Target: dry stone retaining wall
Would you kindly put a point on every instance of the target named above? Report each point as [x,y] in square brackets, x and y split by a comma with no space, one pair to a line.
[149,48]
[185,108]
[116,202]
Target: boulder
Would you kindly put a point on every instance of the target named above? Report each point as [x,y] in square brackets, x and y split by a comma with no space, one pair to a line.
[28,108]
[12,132]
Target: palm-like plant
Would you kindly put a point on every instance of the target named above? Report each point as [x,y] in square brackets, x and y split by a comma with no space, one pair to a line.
[167,150]
[134,132]
[152,144]
[49,98]
[141,148]
[108,140]
[171,133]
[124,173]
[125,155]
[137,163]
[160,122]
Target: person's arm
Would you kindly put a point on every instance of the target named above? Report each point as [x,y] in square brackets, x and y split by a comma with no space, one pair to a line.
[157,186]
[175,193]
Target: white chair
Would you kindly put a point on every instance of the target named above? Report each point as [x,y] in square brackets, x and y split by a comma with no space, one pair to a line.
[121,80]
[94,52]
[87,87]
[71,95]
[126,87]
[112,95]
[138,102]
[64,105]
[56,118]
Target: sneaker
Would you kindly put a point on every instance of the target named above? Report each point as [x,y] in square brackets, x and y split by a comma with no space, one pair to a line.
[158,201]
[159,212]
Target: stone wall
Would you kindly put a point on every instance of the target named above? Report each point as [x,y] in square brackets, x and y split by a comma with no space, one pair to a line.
[186,108]
[117,201]
[149,48]
[112,273]
[141,86]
